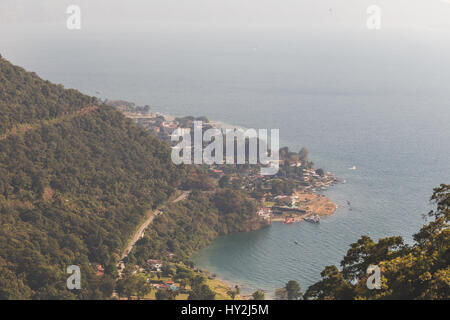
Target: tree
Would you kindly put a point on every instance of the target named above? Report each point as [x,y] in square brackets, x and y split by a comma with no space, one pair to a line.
[165,294]
[111,270]
[303,154]
[258,295]
[232,294]
[237,289]
[224,182]
[12,287]
[281,294]
[332,286]
[201,292]
[366,252]
[293,290]
[143,288]
[183,283]
[126,287]
[199,289]
[107,285]
[197,280]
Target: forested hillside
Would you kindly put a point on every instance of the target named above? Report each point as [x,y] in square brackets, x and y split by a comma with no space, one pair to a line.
[25,98]
[75,180]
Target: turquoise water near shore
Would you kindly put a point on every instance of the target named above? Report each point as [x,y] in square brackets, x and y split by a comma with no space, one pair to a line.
[379,102]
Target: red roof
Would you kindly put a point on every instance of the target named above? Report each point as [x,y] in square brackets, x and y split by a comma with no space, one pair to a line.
[100,270]
[152,261]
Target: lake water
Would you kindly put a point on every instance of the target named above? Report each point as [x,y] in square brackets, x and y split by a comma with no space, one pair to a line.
[378,101]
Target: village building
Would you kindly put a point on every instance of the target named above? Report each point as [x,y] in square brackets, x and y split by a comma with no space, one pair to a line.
[155,265]
[284,200]
[264,212]
[100,271]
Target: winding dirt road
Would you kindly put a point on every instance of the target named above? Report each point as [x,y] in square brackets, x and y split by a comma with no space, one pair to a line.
[24,127]
[150,215]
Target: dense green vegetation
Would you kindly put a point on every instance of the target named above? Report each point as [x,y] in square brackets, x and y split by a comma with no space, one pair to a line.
[258,295]
[72,189]
[26,98]
[291,291]
[418,271]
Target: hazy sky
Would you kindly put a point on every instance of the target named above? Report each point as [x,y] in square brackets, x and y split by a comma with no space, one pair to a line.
[267,13]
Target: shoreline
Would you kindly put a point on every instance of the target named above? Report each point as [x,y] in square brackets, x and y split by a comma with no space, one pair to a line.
[309,203]
[324,207]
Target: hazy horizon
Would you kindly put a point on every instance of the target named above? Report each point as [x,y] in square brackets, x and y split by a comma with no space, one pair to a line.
[407,14]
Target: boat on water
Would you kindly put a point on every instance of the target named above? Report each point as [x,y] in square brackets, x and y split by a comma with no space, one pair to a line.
[352,168]
[289,220]
[296,242]
[313,219]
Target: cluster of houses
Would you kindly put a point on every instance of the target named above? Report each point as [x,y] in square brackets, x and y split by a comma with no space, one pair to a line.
[310,173]
[250,179]
[156,265]
[283,200]
[282,203]
[157,126]
[169,126]
[163,125]
[316,181]
[155,122]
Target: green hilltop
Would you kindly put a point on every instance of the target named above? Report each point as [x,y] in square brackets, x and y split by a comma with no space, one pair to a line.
[76,178]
